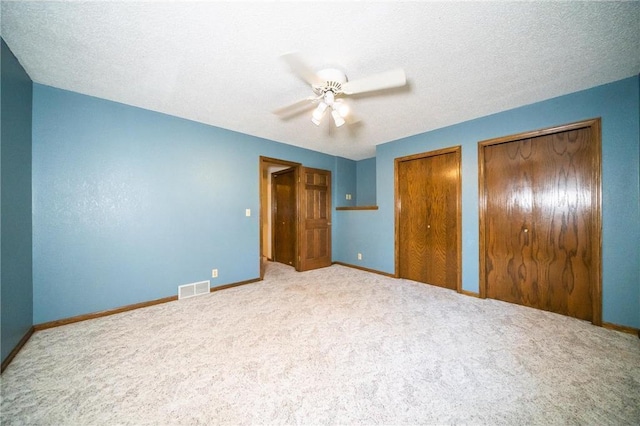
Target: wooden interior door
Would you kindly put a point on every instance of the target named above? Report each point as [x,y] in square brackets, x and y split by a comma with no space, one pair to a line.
[314,232]
[284,218]
[540,220]
[428,218]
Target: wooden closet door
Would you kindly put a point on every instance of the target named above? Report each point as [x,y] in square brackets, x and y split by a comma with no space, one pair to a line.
[541,222]
[427,218]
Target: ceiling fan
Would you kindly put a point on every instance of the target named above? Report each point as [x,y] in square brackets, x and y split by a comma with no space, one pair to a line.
[331,85]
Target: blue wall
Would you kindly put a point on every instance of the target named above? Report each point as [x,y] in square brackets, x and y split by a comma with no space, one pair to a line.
[356,178]
[372,232]
[345,181]
[366,182]
[129,204]
[362,175]
[16,276]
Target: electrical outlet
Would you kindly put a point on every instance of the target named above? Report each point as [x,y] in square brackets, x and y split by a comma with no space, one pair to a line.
[359,256]
[348,196]
[214,273]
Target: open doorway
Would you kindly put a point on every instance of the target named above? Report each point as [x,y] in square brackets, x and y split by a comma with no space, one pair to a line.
[311,214]
[268,166]
[284,217]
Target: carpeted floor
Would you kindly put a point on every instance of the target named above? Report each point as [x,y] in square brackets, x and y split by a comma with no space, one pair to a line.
[330,346]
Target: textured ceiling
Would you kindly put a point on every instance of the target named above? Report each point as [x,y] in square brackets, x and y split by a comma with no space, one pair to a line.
[218,62]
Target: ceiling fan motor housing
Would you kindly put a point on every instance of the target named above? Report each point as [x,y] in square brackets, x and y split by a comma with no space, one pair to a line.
[333,80]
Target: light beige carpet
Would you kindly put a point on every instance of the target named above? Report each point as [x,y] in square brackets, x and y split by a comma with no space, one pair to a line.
[331,346]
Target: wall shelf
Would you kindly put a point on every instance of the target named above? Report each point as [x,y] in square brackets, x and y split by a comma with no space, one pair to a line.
[358,208]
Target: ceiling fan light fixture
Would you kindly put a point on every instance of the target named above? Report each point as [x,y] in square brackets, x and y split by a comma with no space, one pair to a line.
[318,113]
[343,108]
[337,118]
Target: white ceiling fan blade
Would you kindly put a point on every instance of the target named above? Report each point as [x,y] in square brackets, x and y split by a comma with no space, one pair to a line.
[384,80]
[303,70]
[295,107]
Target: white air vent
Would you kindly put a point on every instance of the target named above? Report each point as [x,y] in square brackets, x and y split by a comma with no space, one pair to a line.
[193,289]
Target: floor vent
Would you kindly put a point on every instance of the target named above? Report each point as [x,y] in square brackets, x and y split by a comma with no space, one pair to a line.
[193,289]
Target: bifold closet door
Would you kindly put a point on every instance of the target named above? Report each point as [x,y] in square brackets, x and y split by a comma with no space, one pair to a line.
[540,221]
[427,218]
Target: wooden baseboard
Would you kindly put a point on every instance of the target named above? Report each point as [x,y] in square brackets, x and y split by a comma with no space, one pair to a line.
[623,328]
[239,283]
[348,265]
[71,320]
[469,293]
[93,315]
[14,352]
